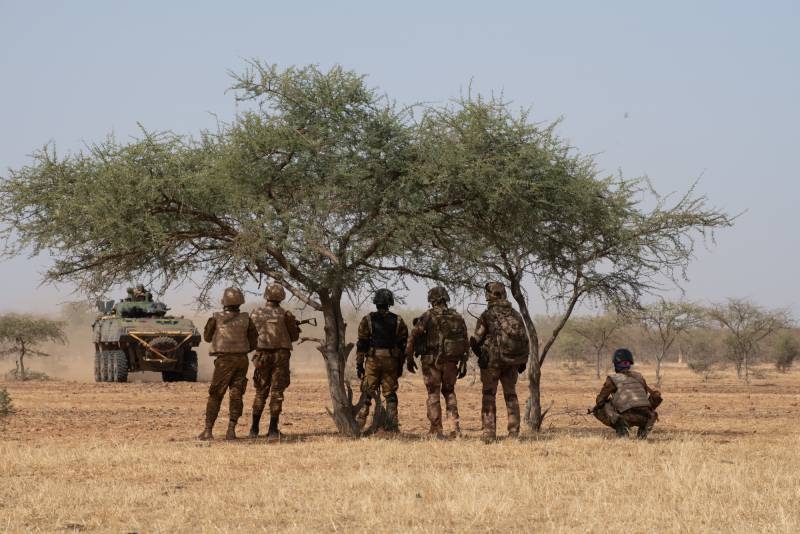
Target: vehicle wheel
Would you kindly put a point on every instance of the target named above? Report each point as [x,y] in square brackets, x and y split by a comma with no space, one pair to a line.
[190,367]
[105,374]
[119,364]
[98,375]
[171,376]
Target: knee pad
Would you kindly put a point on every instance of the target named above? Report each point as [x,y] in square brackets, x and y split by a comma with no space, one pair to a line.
[447,389]
[510,397]
[391,398]
[433,390]
[489,392]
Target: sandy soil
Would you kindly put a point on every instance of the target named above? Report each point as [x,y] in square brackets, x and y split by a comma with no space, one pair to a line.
[82,456]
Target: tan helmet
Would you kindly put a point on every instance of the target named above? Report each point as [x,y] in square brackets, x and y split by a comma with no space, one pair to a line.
[495,291]
[233,296]
[274,293]
[438,294]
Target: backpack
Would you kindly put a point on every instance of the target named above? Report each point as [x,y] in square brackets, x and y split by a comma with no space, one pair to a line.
[510,337]
[451,335]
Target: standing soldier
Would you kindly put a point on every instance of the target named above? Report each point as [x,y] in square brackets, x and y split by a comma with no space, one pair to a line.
[232,335]
[501,345]
[441,335]
[625,400]
[277,328]
[382,339]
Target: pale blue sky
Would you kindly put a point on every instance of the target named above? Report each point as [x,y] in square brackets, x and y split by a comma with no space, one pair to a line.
[708,87]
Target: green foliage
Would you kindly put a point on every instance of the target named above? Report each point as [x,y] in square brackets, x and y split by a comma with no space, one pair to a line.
[6,407]
[20,333]
[747,325]
[786,350]
[31,330]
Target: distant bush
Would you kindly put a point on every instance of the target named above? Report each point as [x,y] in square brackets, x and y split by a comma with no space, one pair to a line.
[786,349]
[6,408]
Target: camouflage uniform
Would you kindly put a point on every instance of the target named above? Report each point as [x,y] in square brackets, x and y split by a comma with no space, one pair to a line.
[625,400]
[493,369]
[379,354]
[232,335]
[277,329]
[440,373]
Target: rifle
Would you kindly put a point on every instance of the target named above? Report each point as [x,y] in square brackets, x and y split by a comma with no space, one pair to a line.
[312,321]
[596,407]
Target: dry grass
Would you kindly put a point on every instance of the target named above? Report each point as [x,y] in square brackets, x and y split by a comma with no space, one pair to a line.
[121,458]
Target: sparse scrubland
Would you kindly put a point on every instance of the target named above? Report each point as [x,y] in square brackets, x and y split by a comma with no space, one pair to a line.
[122,458]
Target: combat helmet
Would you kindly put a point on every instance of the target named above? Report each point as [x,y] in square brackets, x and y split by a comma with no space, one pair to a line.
[438,294]
[232,296]
[495,291]
[383,298]
[275,293]
[623,359]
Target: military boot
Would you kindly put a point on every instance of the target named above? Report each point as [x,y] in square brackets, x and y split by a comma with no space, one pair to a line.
[621,427]
[392,423]
[435,432]
[456,433]
[254,427]
[212,409]
[273,434]
[231,433]
[206,434]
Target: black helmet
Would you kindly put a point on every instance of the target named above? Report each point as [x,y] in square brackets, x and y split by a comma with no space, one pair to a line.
[383,298]
[437,294]
[623,359]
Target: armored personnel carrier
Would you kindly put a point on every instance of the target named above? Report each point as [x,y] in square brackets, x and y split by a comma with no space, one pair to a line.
[136,334]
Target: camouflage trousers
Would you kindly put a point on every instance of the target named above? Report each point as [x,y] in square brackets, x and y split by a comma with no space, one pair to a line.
[270,378]
[380,371]
[643,418]
[230,372]
[440,380]
[507,376]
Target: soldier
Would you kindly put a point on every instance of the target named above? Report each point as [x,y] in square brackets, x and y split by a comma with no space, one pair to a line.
[232,335]
[625,400]
[381,341]
[140,294]
[501,345]
[441,335]
[277,328]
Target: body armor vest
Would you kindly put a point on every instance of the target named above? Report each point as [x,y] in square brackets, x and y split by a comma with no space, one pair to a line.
[230,335]
[384,330]
[270,322]
[630,392]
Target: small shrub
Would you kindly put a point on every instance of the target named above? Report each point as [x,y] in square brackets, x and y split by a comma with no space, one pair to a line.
[786,350]
[6,408]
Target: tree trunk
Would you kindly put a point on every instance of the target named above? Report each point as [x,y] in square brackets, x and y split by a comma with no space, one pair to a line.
[533,407]
[598,355]
[658,368]
[335,355]
[746,369]
[22,361]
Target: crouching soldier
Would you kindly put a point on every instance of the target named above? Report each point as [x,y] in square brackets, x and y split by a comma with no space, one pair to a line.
[626,400]
[441,337]
[277,329]
[232,335]
[501,345]
[382,339]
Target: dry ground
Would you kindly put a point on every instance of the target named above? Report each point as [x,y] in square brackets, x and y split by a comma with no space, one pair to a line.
[122,458]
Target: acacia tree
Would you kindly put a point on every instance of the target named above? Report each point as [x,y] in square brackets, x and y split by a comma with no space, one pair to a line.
[20,334]
[308,186]
[532,212]
[664,322]
[598,331]
[747,325]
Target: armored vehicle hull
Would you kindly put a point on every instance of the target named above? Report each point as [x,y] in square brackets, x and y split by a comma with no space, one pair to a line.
[135,336]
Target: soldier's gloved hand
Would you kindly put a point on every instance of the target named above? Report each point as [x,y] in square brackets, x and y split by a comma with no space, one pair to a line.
[411,365]
[521,368]
[462,368]
[360,369]
[476,349]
